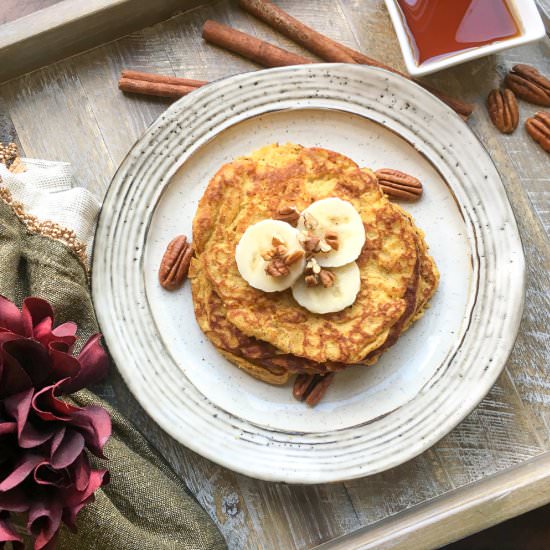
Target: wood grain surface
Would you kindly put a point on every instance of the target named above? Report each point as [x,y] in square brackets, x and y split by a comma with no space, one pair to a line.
[14,9]
[72,111]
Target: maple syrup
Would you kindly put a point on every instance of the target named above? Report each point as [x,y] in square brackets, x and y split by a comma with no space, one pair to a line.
[439,28]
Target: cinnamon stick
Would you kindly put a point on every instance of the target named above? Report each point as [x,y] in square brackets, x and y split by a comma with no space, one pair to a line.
[249,46]
[296,30]
[158,78]
[159,89]
[325,47]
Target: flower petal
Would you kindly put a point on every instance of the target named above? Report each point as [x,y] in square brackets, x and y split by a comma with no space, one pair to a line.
[18,407]
[81,471]
[36,312]
[48,407]
[31,356]
[13,379]
[68,451]
[57,439]
[63,365]
[63,334]
[74,501]
[94,365]
[10,316]
[98,478]
[66,329]
[95,425]
[8,428]
[7,534]
[44,474]
[14,501]
[43,521]
[24,467]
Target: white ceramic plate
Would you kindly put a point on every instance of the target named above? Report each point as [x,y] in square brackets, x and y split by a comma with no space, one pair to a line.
[371,418]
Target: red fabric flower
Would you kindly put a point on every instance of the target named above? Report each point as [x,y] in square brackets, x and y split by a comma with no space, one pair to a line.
[44,467]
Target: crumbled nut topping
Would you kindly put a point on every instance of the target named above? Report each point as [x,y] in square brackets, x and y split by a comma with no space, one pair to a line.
[315,275]
[277,267]
[288,214]
[313,240]
[279,259]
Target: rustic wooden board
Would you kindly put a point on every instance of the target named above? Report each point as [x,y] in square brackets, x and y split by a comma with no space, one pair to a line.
[66,27]
[72,111]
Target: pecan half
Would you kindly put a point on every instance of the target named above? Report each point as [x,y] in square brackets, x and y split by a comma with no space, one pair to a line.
[175,263]
[311,387]
[288,214]
[398,185]
[503,110]
[538,127]
[529,84]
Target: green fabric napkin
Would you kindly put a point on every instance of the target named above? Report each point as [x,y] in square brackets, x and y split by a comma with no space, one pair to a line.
[145,506]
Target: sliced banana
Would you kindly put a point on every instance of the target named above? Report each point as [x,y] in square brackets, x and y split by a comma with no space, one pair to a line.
[320,299]
[340,220]
[254,248]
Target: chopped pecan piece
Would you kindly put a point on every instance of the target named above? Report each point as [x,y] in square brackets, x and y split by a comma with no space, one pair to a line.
[294,257]
[277,267]
[277,241]
[327,278]
[331,239]
[311,244]
[315,275]
[288,214]
[312,267]
[311,280]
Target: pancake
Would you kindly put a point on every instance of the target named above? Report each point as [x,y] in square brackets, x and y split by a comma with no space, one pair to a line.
[427,285]
[263,361]
[253,188]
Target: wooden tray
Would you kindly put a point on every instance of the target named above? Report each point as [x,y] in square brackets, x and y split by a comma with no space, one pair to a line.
[495,464]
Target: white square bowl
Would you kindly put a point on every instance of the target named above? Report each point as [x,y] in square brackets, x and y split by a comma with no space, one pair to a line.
[525,13]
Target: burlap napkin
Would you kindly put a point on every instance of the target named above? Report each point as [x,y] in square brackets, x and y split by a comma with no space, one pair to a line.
[145,506]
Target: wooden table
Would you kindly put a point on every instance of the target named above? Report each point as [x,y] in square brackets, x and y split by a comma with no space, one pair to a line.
[72,111]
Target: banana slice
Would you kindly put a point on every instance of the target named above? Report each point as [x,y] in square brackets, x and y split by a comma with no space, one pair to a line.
[320,299]
[260,247]
[336,221]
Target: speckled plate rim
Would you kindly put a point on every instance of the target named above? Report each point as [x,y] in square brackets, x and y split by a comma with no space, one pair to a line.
[176,405]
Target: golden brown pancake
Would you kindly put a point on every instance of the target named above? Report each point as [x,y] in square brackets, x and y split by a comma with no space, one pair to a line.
[427,285]
[265,362]
[253,188]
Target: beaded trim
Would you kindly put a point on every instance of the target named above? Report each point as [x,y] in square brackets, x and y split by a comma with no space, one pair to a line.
[46,228]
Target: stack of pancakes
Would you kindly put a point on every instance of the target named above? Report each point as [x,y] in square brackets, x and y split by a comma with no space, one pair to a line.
[269,335]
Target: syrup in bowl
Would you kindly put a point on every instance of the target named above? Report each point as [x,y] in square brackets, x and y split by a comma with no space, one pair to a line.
[440,28]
